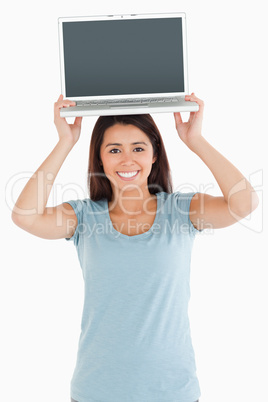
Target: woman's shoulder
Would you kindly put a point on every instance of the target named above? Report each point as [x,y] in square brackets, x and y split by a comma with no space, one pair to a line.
[175,196]
[88,205]
[176,201]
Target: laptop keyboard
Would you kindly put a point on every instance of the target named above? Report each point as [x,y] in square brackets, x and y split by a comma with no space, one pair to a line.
[123,102]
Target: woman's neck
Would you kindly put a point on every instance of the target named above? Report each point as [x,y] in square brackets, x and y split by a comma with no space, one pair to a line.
[133,202]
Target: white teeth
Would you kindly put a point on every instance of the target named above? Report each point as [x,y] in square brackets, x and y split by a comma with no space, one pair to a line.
[128,174]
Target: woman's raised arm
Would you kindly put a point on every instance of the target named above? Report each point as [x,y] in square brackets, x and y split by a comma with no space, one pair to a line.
[30,212]
[239,198]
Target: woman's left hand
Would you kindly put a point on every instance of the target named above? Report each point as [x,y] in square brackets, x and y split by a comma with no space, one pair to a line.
[191,131]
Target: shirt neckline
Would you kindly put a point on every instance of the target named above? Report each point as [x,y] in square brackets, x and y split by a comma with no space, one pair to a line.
[138,236]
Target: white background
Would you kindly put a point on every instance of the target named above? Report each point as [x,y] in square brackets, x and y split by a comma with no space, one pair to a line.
[41,282]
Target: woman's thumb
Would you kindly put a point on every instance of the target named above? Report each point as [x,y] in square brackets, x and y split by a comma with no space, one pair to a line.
[78,121]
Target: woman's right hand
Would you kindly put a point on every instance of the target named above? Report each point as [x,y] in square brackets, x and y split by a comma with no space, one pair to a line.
[67,132]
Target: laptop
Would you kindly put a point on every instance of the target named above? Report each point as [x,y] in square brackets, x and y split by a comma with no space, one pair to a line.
[124,64]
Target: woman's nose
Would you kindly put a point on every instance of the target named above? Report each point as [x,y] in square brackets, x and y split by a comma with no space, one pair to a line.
[127,158]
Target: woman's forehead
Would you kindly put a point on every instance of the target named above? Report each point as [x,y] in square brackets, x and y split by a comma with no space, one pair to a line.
[125,134]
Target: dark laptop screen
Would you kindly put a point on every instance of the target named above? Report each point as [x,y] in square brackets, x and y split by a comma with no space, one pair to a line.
[123,57]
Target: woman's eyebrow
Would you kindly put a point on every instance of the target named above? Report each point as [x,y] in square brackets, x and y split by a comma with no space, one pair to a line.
[133,143]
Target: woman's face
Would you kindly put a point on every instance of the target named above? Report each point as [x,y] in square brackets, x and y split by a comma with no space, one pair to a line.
[127,156]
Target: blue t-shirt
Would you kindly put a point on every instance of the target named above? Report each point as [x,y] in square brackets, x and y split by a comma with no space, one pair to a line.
[135,343]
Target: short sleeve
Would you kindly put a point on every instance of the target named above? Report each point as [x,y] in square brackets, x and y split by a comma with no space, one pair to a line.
[182,204]
[77,206]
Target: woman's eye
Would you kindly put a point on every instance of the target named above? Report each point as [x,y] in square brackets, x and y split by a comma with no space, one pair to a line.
[116,149]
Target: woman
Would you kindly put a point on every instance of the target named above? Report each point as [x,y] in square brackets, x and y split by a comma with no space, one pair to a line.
[134,238]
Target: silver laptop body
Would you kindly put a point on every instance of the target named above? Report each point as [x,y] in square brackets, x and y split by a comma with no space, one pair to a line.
[124,64]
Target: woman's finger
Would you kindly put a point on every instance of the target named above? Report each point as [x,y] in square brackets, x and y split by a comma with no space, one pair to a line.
[178,119]
[60,98]
[78,121]
[192,116]
[193,98]
[65,103]
[62,103]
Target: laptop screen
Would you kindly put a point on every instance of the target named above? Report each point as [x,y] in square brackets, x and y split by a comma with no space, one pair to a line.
[121,57]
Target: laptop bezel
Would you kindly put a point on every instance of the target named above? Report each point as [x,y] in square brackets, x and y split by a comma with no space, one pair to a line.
[181,15]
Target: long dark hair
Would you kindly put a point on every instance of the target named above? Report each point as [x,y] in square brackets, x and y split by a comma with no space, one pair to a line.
[160,177]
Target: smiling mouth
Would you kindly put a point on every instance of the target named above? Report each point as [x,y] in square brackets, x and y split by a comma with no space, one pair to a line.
[128,175]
